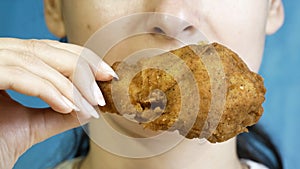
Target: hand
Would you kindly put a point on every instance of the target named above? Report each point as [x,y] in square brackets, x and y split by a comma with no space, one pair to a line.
[44,68]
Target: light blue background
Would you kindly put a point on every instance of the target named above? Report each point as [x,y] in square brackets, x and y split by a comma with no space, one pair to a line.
[280,68]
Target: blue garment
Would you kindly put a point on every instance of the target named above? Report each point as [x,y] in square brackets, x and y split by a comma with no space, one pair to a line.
[53,151]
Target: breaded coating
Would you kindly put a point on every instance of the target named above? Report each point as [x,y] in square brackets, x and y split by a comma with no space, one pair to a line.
[203,91]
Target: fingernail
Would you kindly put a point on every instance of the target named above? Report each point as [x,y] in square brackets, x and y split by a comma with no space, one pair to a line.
[94,114]
[90,109]
[98,94]
[70,104]
[107,69]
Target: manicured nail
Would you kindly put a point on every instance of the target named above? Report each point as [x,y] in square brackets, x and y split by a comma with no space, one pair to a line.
[98,94]
[94,114]
[70,104]
[107,69]
[89,109]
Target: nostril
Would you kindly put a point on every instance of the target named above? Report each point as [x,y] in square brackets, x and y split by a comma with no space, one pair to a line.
[158,30]
[189,28]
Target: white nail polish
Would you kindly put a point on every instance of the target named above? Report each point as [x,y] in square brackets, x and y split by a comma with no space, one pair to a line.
[94,114]
[98,95]
[70,104]
[87,108]
[107,69]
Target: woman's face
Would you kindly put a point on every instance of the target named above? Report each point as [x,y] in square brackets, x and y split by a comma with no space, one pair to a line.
[239,24]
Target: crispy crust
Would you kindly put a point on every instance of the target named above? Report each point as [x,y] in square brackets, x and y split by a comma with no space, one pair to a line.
[203,91]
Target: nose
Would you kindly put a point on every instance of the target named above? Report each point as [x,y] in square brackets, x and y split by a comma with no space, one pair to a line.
[169,25]
[170,19]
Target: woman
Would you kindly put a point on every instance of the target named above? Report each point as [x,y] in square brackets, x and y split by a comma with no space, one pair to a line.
[240,25]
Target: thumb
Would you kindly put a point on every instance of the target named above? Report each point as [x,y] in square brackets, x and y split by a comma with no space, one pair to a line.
[45,123]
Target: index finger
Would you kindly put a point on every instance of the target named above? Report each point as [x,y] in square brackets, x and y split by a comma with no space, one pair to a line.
[98,66]
[61,56]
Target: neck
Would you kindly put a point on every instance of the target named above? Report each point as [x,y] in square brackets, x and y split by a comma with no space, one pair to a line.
[188,154]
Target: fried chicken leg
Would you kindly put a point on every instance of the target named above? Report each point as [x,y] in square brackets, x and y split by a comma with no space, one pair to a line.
[203,91]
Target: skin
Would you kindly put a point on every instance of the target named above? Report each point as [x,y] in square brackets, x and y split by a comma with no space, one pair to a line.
[27,68]
[240,24]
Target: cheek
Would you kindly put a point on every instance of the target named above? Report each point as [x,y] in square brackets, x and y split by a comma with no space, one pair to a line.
[240,26]
[77,24]
[83,18]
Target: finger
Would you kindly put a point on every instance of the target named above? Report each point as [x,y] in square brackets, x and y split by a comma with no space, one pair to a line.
[61,58]
[86,109]
[45,123]
[83,77]
[93,94]
[98,66]
[84,80]
[36,66]
[22,81]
